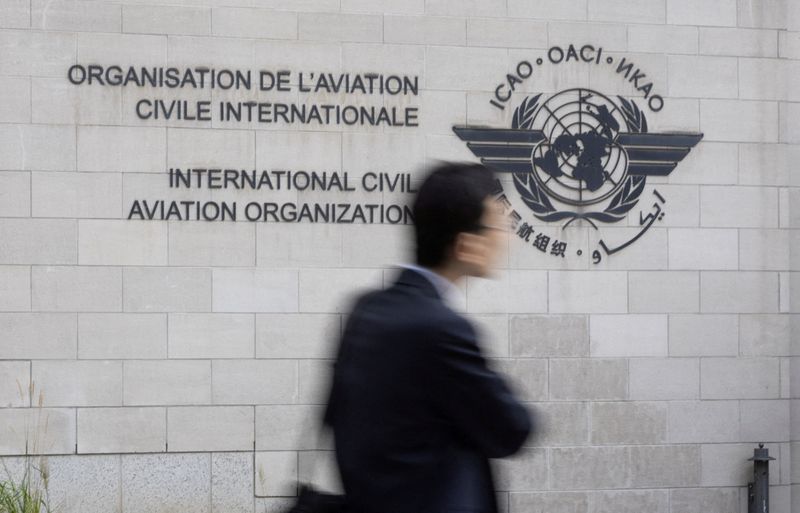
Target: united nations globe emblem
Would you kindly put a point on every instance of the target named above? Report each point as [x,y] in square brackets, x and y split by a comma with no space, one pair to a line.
[579,161]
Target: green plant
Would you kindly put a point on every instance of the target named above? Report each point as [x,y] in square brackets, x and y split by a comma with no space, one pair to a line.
[28,493]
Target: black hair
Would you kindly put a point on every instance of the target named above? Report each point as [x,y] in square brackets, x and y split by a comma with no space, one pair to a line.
[449,201]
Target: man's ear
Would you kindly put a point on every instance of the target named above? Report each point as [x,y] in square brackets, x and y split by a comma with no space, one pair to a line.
[469,249]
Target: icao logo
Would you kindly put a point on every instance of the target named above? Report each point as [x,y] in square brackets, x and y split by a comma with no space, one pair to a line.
[578,154]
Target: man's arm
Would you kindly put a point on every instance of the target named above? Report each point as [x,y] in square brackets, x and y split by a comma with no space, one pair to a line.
[475,398]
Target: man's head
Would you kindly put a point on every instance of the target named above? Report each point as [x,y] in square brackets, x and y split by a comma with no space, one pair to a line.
[458,225]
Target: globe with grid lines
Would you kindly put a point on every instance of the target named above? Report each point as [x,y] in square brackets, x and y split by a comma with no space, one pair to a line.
[579,161]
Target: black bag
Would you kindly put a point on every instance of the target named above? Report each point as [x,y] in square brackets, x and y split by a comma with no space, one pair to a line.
[310,500]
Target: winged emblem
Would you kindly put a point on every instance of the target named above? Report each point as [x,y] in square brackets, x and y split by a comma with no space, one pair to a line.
[578,148]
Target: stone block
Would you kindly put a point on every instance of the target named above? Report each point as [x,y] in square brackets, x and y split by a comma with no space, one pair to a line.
[175,289]
[97,478]
[122,430]
[288,427]
[588,292]
[738,42]
[709,163]
[664,378]
[15,193]
[492,332]
[388,245]
[40,54]
[77,383]
[742,292]
[628,423]
[76,16]
[611,37]
[703,421]
[110,49]
[212,244]
[739,378]
[15,106]
[322,57]
[122,242]
[765,421]
[124,149]
[363,153]
[560,424]
[766,335]
[549,335]
[15,288]
[708,500]
[314,381]
[255,382]
[703,335]
[321,151]
[297,335]
[76,194]
[760,79]
[167,382]
[341,288]
[256,23]
[319,468]
[588,379]
[210,428]
[528,377]
[211,148]
[166,482]
[122,336]
[768,164]
[298,245]
[39,430]
[705,248]
[764,250]
[789,127]
[38,335]
[447,67]
[254,290]
[15,381]
[15,14]
[505,33]
[57,101]
[552,502]
[388,59]
[163,19]
[667,292]
[683,209]
[465,8]
[651,11]
[628,335]
[714,12]
[341,27]
[582,468]
[739,121]
[82,289]
[631,501]
[508,292]
[665,466]
[525,471]
[276,474]
[384,6]
[232,482]
[37,147]
[211,335]
[662,38]
[763,14]
[702,77]
[789,45]
[424,30]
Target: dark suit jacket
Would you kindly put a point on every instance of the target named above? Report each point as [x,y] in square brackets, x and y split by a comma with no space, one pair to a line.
[414,409]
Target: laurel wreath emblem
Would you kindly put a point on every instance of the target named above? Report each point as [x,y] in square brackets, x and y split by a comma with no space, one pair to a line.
[540,204]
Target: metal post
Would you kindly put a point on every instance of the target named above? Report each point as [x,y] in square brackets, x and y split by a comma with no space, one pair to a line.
[758,490]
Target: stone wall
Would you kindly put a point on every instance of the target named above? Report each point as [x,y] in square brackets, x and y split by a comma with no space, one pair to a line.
[168,366]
